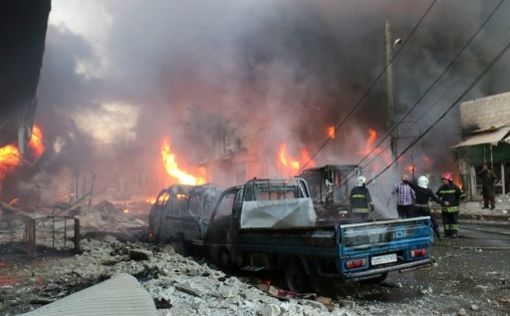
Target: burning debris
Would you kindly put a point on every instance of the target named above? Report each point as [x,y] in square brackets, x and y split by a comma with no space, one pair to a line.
[11,159]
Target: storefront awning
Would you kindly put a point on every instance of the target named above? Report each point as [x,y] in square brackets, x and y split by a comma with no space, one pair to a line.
[492,138]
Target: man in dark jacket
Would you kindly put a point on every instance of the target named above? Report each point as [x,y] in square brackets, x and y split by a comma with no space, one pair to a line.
[450,194]
[360,199]
[421,204]
[488,180]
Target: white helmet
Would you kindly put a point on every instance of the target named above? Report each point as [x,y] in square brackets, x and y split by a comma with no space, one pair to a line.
[423,182]
[361,180]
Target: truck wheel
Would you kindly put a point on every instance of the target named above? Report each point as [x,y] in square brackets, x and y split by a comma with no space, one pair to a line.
[179,247]
[224,259]
[296,278]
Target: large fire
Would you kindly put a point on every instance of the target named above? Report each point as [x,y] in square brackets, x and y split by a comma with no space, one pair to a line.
[290,166]
[371,149]
[369,145]
[10,158]
[176,172]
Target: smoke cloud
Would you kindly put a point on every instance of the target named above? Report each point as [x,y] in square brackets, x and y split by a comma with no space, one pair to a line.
[119,76]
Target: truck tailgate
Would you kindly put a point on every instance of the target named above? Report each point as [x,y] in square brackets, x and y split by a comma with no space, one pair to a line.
[385,245]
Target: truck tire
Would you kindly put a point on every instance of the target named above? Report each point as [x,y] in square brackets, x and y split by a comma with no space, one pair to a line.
[296,278]
[224,259]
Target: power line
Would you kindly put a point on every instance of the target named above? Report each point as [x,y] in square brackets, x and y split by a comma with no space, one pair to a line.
[495,39]
[435,81]
[427,91]
[367,92]
[468,89]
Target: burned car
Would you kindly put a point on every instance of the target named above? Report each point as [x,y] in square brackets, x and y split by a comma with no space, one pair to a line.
[181,213]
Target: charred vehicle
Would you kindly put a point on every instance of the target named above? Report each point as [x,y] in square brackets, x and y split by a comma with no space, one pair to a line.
[272,225]
[181,212]
[330,187]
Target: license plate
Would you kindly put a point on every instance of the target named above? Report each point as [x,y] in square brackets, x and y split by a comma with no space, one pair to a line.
[392,257]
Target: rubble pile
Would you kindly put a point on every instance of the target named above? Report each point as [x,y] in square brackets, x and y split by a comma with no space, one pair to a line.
[184,286]
[178,285]
[105,217]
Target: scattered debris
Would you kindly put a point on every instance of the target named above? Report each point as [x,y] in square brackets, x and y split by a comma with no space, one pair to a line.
[120,295]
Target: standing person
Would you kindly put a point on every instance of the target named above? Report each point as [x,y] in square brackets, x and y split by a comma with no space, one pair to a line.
[488,180]
[405,197]
[450,194]
[360,199]
[421,204]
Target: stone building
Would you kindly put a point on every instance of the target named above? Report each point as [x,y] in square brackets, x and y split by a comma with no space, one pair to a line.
[486,132]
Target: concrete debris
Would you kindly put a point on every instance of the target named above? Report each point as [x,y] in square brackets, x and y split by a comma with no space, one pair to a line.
[121,295]
[176,284]
[271,310]
[475,307]
[462,312]
[139,254]
[184,286]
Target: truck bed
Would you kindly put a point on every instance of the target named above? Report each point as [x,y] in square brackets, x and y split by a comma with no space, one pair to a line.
[390,240]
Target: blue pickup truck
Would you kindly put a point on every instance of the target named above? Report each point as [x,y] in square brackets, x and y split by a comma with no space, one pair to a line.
[271,225]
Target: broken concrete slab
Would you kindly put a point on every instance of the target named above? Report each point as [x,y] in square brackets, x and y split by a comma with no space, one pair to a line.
[120,295]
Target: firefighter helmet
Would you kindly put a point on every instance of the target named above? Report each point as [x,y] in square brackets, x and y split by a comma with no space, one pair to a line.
[423,182]
[447,176]
[361,180]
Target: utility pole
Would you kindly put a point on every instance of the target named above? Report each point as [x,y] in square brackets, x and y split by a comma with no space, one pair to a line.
[391,92]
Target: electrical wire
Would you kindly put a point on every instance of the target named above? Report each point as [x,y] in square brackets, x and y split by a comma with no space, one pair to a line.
[468,89]
[372,85]
[427,91]
[431,86]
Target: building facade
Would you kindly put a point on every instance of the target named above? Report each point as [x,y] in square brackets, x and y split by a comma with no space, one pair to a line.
[486,132]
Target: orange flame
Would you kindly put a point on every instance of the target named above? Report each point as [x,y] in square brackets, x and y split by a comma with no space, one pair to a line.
[36,141]
[9,160]
[331,132]
[10,155]
[174,171]
[410,169]
[289,166]
[376,151]
[150,200]
[369,145]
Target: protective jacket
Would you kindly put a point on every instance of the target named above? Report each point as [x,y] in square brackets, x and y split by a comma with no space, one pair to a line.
[450,194]
[360,199]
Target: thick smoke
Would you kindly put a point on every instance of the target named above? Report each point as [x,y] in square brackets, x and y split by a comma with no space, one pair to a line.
[282,70]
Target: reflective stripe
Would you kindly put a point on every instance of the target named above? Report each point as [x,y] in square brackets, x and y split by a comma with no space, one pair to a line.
[454,226]
[358,196]
[360,210]
[450,209]
[447,192]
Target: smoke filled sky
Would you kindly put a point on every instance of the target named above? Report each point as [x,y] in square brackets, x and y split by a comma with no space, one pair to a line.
[118,76]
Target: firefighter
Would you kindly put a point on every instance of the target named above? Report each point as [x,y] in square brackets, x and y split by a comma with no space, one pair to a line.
[421,204]
[360,199]
[450,194]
